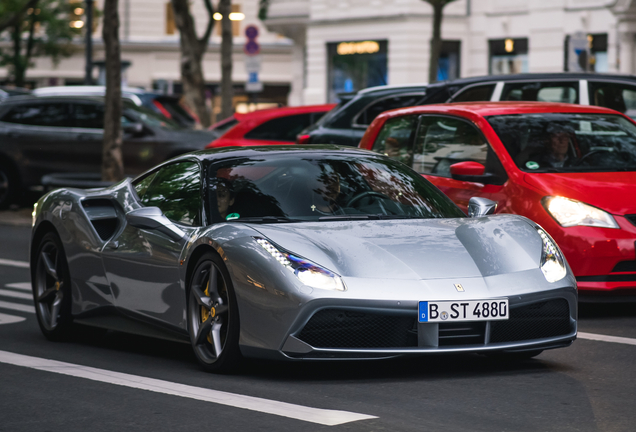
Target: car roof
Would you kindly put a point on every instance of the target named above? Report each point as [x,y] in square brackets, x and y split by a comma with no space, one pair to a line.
[497,108]
[84,90]
[284,111]
[32,98]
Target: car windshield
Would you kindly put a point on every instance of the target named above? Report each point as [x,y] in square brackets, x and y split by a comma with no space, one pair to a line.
[288,188]
[150,117]
[562,142]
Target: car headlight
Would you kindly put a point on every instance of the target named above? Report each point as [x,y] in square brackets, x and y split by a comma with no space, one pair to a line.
[552,262]
[307,272]
[569,213]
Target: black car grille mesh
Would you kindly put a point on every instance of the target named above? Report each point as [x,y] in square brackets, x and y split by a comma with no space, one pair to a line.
[631,218]
[336,328]
[105,227]
[535,321]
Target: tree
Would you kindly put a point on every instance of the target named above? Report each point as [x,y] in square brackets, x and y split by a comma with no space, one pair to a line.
[192,50]
[436,40]
[46,24]
[227,87]
[112,162]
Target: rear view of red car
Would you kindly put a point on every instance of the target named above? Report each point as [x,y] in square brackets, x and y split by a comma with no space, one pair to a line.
[269,126]
[570,168]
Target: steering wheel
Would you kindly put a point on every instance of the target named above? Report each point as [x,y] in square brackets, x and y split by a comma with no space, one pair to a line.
[364,195]
[595,151]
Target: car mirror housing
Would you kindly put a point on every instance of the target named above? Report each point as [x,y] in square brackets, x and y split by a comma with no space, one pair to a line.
[467,168]
[478,207]
[152,218]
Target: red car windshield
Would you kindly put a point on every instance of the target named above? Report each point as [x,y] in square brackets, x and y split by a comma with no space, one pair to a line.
[568,142]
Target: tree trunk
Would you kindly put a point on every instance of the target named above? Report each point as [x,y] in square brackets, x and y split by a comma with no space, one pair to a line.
[18,70]
[436,41]
[112,162]
[227,88]
[192,50]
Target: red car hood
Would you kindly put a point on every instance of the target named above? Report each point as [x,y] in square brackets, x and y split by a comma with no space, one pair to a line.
[614,192]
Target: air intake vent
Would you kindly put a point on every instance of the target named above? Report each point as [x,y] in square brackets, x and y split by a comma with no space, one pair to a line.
[536,321]
[103,216]
[631,218]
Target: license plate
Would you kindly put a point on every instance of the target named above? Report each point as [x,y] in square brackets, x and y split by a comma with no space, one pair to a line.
[469,310]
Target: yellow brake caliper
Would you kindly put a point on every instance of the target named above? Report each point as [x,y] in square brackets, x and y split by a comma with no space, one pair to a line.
[205,314]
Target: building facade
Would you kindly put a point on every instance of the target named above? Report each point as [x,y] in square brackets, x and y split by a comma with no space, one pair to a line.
[346,45]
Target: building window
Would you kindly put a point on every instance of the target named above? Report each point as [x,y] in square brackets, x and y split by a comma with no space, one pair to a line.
[448,66]
[355,65]
[170,25]
[508,56]
[594,59]
[236,16]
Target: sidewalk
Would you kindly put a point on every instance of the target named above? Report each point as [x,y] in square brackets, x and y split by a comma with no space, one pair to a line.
[18,217]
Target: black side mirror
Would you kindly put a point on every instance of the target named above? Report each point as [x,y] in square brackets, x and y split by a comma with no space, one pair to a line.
[478,207]
[133,128]
[152,218]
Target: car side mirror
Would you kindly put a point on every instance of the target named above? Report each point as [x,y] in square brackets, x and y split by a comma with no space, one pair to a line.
[478,207]
[133,128]
[152,218]
[473,172]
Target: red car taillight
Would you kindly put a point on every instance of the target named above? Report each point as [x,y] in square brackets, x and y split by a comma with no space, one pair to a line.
[303,139]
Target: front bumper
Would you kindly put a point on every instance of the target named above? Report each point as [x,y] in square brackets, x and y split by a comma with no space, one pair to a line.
[356,331]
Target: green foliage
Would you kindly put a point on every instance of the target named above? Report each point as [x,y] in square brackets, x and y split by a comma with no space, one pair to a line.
[44,30]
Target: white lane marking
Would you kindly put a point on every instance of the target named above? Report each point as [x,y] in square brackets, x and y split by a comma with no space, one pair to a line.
[283,409]
[24,286]
[14,294]
[10,319]
[604,338]
[17,306]
[13,263]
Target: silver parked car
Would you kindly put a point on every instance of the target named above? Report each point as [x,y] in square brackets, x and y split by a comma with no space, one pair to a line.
[311,252]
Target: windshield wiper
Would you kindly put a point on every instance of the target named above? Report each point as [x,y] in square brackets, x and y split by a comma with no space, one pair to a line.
[264,219]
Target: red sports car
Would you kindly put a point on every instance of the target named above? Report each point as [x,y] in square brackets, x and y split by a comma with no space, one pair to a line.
[268,126]
[570,168]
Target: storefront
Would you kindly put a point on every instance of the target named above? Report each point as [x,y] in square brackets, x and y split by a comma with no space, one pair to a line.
[508,56]
[355,65]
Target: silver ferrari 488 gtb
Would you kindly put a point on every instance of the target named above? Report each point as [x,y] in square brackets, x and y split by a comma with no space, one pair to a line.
[305,252]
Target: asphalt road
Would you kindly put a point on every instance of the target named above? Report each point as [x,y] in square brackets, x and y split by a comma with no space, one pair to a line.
[590,386]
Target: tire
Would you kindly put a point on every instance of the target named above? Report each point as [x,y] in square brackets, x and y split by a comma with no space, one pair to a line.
[51,283]
[213,319]
[514,356]
[8,185]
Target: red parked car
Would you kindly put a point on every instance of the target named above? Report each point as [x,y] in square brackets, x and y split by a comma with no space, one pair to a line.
[570,168]
[268,126]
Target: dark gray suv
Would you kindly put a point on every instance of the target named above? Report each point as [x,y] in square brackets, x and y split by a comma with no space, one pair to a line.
[43,135]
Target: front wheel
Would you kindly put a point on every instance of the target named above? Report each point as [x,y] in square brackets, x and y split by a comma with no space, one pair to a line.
[51,284]
[213,319]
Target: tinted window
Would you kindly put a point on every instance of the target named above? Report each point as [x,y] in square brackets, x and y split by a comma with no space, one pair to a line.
[88,116]
[563,142]
[366,117]
[175,189]
[308,187]
[567,92]
[619,97]
[395,139]
[141,186]
[281,129]
[40,114]
[475,94]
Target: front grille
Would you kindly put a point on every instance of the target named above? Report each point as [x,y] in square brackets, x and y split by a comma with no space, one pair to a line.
[631,218]
[337,328]
[536,321]
[462,333]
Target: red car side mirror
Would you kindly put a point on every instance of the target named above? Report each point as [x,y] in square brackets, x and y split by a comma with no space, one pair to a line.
[467,168]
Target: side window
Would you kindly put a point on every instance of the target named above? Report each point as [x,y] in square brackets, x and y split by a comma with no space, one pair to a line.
[366,117]
[443,141]
[567,92]
[176,190]
[141,186]
[475,94]
[89,116]
[40,114]
[619,97]
[281,129]
[395,139]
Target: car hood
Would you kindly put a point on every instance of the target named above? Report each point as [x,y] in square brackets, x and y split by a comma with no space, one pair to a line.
[610,191]
[413,249]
